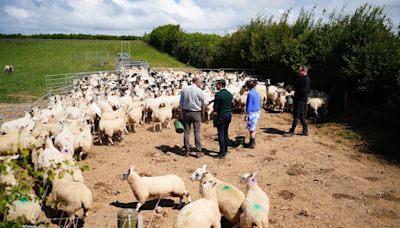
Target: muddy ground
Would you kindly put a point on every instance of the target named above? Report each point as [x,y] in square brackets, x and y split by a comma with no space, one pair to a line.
[317,181]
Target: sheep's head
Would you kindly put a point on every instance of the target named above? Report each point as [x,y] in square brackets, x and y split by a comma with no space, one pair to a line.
[126,174]
[199,173]
[248,177]
[208,184]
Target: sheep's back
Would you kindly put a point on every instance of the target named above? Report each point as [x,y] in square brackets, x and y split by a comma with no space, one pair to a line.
[200,213]
[164,184]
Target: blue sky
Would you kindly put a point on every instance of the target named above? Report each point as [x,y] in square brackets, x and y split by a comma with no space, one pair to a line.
[136,17]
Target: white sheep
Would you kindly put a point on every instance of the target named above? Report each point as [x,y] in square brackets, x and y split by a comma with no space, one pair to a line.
[162,115]
[65,142]
[230,198]
[144,187]
[7,177]
[49,156]
[27,140]
[70,196]
[84,140]
[318,103]
[110,127]
[256,205]
[135,116]
[203,212]
[24,122]
[29,209]
[9,142]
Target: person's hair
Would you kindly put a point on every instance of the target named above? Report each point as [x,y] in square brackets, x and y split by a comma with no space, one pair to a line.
[197,78]
[303,68]
[250,84]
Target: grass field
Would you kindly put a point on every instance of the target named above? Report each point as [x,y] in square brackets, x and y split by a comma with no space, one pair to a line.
[33,59]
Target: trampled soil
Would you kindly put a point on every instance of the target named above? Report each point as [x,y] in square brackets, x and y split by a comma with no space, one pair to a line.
[315,181]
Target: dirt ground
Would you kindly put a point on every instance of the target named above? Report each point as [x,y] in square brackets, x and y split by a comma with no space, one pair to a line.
[314,181]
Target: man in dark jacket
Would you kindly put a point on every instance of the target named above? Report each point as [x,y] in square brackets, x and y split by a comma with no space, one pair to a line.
[301,92]
[223,111]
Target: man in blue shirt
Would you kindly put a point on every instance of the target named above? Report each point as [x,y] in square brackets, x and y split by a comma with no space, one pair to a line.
[253,111]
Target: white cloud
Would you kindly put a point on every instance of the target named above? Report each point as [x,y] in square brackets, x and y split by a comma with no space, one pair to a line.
[135,17]
[15,12]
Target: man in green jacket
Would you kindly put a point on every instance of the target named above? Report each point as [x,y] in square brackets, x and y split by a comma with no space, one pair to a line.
[223,112]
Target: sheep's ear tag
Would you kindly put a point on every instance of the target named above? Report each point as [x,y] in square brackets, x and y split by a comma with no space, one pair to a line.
[24,199]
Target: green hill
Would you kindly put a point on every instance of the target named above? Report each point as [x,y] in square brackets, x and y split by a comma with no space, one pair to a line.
[34,58]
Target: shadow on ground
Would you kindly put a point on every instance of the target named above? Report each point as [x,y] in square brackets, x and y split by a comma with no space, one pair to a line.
[149,205]
[274,131]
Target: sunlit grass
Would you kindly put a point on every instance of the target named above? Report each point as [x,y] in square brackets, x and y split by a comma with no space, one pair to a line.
[34,58]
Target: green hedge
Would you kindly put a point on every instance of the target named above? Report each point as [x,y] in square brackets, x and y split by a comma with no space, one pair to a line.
[358,53]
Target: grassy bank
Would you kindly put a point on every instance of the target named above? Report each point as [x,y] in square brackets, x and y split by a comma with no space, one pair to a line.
[33,59]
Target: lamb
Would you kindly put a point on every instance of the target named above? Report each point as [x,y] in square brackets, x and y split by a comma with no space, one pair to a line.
[68,169]
[135,116]
[230,198]
[84,140]
[203,212]
[24,122]
[8,69]
[27,140]
[9,142]
[162,115]
[74,195]
[29,209]
[110,127]
[49,156]
[318,103]
[65,142]
[282,98]
[7,177]
[256,205]
[272,95]
[144,187]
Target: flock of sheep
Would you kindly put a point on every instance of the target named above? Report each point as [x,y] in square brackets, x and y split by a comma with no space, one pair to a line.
[104,107]
[217,198]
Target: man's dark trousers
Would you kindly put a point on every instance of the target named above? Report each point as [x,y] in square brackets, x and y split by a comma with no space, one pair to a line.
[299,112]
[223,126]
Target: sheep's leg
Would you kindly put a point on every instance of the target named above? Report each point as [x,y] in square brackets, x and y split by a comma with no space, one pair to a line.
[71,220]
[189,199]
[237,225]
[316,113]
[99,135]
[110,140]
[216,223]
[265,223]
[81,155]
[180,202]
[154,127]
[138,206]
[160,125]
[325,110]
[258,224]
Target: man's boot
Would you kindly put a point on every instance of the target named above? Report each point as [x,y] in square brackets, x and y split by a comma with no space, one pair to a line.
[289,134]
